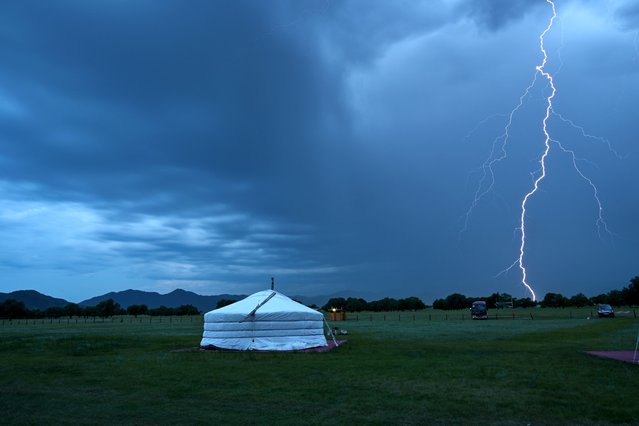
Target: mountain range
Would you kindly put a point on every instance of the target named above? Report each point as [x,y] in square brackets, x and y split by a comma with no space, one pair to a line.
[154,300]
[35,300]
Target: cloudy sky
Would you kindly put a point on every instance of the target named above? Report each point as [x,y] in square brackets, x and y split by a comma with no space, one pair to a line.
[334,145]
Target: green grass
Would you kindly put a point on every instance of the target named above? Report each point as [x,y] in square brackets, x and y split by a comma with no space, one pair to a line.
[398,371]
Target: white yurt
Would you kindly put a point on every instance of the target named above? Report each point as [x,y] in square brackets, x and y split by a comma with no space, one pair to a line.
[264,321]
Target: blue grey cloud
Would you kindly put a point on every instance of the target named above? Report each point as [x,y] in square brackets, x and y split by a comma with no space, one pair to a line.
[147,144]
[494,14]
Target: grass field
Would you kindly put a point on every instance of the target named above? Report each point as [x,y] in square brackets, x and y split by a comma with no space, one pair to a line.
[426,370]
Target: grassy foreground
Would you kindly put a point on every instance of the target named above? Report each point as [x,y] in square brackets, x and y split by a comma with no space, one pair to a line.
[399,372]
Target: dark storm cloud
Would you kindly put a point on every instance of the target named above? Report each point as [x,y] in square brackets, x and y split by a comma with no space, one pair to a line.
[494,14]
[361,31]
[318,141]
[128,99]
[147,109]
[628,14]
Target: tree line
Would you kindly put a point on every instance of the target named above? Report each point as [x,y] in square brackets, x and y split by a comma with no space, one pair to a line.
[627,296]
[457,301]
[353,304]
[12,308]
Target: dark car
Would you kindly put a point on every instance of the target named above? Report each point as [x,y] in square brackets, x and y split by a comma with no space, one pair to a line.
[478,310]
[605,310]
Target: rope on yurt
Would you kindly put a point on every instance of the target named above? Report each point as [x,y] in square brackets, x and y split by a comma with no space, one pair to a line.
[634,357]
[330,330]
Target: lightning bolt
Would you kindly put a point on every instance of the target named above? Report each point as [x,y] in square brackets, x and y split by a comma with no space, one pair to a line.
[588,135]
[600,222]
[498,153]
[488,174]
[542,161]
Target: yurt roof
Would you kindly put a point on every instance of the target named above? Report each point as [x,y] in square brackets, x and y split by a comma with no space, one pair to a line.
[270,305]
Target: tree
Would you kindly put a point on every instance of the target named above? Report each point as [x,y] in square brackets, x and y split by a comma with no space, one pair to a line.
[335,302]
[11,309]
[492,300]
[579,300]
[224,302]
[54,312]
[456,301]
[384,305]
[554,300]
[353,304]
[136,310]
[107,308]
[90,311]
[439,304]
[162,311]
[187,310]
[411,304]
[526,302]
[616,298]
[631,292]
[602,298]
[72,310]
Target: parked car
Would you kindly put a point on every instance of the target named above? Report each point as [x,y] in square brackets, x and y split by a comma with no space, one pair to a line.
[478,310]
[605,310]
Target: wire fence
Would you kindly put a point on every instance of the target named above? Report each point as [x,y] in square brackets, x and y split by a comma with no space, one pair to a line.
[501,314]
[118,319]
[424,315]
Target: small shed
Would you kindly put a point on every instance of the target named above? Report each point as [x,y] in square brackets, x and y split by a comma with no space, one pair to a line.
[336,314]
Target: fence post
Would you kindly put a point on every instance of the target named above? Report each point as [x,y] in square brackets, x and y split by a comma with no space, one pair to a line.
[513,315]
[384,317]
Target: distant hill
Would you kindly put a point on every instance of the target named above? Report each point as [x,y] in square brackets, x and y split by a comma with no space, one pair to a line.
[173,299]
[33,299]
